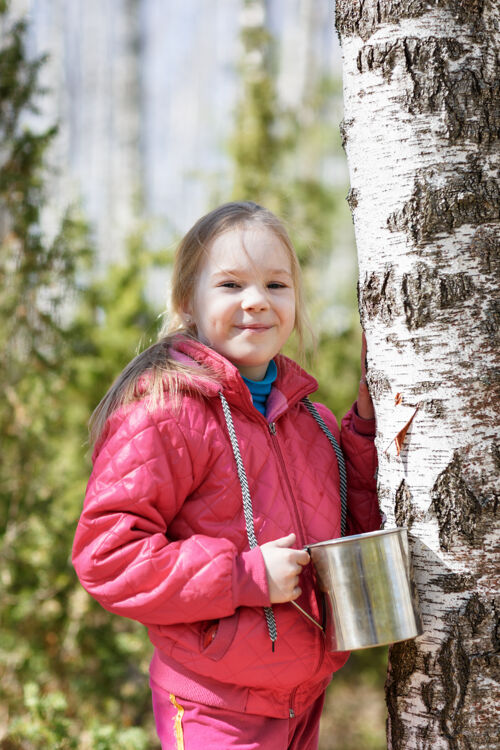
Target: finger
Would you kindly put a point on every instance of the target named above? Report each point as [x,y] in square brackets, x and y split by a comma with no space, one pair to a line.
[285,541]
[303,557]
[296,593]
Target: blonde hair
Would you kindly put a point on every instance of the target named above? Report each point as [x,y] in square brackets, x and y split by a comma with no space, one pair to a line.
[154,371]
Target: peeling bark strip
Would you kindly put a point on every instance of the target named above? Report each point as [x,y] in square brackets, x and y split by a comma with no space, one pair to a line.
[421,133]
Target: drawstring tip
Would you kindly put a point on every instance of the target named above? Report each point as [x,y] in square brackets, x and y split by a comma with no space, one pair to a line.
[272,646]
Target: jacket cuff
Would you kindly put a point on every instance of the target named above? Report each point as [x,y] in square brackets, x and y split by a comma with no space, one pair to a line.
[362,426]
[250,587]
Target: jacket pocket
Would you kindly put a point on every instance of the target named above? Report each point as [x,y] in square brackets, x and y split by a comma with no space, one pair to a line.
[218,635]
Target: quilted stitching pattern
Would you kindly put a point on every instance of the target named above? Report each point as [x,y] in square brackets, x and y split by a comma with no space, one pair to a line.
[162,535]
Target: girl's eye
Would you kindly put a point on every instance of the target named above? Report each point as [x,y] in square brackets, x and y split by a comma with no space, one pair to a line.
[230,284]
[276,285]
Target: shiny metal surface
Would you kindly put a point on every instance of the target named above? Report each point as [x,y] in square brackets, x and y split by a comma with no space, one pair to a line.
[367,580]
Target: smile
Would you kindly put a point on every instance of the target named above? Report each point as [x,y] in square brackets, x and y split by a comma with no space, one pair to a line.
[255,328]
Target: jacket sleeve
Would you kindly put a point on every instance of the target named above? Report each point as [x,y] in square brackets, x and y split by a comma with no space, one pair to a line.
[357,437]
[143,473]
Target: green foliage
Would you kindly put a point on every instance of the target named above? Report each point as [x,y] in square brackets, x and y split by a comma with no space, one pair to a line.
[336,368]
[35,284]
[65,335]
[45,725]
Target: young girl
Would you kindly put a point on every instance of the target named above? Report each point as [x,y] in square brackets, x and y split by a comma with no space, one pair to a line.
[210,475]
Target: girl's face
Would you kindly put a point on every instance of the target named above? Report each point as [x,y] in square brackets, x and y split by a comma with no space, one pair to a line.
[244,298]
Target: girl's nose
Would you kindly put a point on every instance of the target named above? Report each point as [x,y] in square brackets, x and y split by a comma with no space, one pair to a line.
[255,298]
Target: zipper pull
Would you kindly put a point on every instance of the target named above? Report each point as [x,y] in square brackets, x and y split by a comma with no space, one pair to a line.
[272,428]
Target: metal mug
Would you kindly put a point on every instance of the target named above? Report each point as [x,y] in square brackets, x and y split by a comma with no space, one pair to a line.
[369,592]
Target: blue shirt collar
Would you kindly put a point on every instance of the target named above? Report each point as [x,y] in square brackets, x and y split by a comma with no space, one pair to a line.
[260,389]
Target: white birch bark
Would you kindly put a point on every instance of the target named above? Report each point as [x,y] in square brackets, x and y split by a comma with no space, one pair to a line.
[421,130]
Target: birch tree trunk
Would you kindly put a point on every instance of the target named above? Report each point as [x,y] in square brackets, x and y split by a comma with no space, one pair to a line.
[421,131]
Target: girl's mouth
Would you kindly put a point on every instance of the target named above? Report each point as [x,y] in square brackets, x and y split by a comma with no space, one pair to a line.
[256,327]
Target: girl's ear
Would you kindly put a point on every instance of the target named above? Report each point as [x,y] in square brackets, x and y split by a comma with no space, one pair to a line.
[187,317]
[186,313]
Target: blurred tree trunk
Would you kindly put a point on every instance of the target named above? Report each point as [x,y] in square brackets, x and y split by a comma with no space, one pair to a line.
[421,132]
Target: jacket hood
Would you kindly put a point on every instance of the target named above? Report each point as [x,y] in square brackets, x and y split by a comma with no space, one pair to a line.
[216,374]
[291,385]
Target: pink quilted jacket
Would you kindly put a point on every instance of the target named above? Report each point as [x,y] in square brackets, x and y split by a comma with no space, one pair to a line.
[162,537]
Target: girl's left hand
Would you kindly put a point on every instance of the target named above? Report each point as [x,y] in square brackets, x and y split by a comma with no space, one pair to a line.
[365,403]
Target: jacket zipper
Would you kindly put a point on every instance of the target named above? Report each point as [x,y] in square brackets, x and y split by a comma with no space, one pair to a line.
[277,450]
[291,707]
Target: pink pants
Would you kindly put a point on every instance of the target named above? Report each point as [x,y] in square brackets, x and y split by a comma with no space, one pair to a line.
[184,725]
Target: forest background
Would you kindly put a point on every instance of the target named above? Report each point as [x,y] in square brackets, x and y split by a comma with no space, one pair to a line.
[72,675]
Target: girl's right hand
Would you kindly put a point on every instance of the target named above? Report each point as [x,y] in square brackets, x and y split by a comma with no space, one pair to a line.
[283,566]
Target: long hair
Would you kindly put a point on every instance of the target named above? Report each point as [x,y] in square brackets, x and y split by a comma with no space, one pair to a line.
[154,372]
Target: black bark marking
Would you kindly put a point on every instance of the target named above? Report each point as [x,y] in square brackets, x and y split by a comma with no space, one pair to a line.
[426,386]
[428,692]
[495,452]
[424,293]
[378,383]
[461,675]
[468,660]
[435,407]
[344,130]
[352,199]
[480,470]
[491,321]
[456,507]
[419,295]
[403,662]
[377,297]
[453,288]
[469,197]
[403,509]
[485,245]
[394,340]
[465,95]
[454,664]
[453,583]
[357,17]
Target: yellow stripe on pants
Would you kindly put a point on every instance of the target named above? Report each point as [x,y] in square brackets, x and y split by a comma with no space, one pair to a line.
[179,736]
